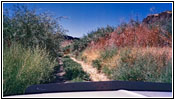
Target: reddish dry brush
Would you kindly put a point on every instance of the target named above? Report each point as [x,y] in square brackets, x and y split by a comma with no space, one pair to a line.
[135,36]
[141,36]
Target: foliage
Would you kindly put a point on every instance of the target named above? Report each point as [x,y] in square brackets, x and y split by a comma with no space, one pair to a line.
[107,71]
[78,79]
[80,45]
[164,24]
[74,70]
[108,53]
[23,67]
[96,64]
[27,27]
[166,73]
[134,34]
[142,68]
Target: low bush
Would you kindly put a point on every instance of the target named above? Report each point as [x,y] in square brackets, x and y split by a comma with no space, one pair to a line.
[166,73]
[78,79]
[107,71]
[108,53]
[74,71]
[23,67]
[96,64]
[142,68]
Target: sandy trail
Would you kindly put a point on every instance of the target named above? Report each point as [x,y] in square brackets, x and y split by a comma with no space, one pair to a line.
[94,74]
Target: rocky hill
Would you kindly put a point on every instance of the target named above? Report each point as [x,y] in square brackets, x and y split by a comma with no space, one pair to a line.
[158,17]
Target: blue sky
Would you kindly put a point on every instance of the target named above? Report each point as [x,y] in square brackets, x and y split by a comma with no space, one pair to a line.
[86,17]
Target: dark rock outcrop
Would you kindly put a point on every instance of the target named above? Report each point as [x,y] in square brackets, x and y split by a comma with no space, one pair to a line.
[66,37]
[157,17]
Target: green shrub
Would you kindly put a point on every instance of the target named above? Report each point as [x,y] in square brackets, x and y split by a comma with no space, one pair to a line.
[29,28]
[78,79]
[108,53]
[166,73]
[107,71]
[80,45]
[142,68]
[96,64]
[74,70]
[23,67]
[66,57]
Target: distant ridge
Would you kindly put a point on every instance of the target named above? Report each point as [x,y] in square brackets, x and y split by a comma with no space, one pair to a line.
[68,40]
[67,37]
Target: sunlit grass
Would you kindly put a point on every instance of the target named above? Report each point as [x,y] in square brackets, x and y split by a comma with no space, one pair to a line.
[23,67]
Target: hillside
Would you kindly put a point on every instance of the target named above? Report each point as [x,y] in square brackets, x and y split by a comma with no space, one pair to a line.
[133,34]
[133,51]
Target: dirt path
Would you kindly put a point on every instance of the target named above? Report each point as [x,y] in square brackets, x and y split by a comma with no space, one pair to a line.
[94,75]
[59,72]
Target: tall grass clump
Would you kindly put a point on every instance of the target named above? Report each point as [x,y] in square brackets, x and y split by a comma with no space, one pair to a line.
[141,67]
[96,63]
[108,53]
[23,67]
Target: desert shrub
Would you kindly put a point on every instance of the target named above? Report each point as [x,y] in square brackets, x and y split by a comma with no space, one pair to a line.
[66,49]
[78,79]
[74,70]
[166,73]
[108,53]
[80,45]
[29,28]
[23,67]
[96,63]
[100,32]
[142,68]
[66,57]
[84,58]
[142,36]
[107,71]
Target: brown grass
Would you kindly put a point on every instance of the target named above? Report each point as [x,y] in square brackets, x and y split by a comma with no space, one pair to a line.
[91,55]
[161,55]
[132,36]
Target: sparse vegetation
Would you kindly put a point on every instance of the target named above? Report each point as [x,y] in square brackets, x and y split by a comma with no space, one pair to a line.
[96,64]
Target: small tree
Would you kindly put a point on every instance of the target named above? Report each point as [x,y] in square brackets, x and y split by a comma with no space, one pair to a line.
[27,27]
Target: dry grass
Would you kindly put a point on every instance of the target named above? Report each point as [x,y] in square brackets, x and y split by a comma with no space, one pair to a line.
[90,55]
[111,62]
[158,53]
